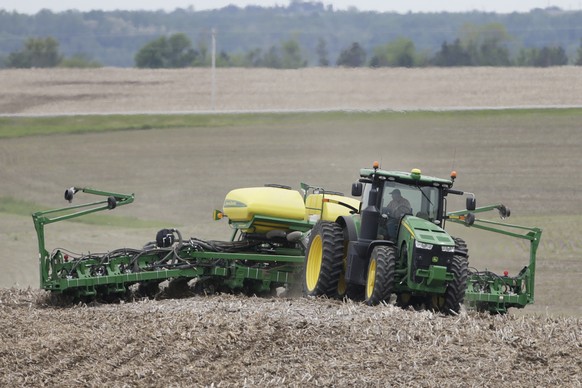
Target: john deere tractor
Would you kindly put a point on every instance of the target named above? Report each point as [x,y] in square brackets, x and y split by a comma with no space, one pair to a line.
[392,242]
[396,244]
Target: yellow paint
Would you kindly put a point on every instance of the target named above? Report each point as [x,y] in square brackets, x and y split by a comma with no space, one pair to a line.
[243,204]
[409,229]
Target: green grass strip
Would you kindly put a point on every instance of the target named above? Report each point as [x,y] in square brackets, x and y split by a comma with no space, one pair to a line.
[11,127]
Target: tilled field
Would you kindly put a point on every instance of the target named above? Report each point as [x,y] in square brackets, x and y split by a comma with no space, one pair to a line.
[229,340]
[110,90]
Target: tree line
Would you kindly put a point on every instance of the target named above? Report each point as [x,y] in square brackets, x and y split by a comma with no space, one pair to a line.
[479,46]
[114,37]
[485,48]
[485,45]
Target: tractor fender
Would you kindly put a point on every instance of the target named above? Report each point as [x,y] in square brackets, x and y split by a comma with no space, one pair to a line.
[348,225]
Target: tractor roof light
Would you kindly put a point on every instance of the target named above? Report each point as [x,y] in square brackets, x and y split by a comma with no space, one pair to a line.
[453,175]
[415,173]
[376,165]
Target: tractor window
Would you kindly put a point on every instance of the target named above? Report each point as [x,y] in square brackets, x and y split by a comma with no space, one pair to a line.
[400,199]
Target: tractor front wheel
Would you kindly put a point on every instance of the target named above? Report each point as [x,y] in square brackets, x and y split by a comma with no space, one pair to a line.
[451,301]
[380,280]
[324,259]
[461,248]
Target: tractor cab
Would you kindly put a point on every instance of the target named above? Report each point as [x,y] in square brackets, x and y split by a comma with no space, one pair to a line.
[393,195]
[398,199]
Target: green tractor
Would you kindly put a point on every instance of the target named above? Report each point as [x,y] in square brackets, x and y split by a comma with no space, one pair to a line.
[392,242]
[396,244]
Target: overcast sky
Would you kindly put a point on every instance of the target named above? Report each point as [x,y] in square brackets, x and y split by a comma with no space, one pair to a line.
[402,6]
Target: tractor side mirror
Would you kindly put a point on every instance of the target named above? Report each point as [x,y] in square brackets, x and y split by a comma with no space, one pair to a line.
[471,203]
[357,189]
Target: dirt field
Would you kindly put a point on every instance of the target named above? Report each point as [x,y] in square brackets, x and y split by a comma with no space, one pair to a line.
[231,341]
[131,90]
[528,161]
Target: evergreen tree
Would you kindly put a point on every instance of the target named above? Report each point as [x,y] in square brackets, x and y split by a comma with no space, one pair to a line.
[544,57]
[253,58]
[353,56]
[272,58]
[452,55]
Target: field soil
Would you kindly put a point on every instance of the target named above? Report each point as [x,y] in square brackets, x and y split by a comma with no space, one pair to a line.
[528,161]
[232,341]
[113,90]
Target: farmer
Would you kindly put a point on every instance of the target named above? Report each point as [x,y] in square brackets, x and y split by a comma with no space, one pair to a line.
[398,207]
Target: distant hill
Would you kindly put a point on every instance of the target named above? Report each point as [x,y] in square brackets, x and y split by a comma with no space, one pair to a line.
[114,37]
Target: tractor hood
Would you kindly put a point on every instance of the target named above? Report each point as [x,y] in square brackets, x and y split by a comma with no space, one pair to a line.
[426,232]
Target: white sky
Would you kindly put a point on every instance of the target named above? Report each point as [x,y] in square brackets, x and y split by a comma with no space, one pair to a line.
[402,6]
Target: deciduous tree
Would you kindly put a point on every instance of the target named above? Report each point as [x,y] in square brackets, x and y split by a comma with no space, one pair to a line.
[37,52]
[173,52]
[486,44]
[292,58]
[398,53]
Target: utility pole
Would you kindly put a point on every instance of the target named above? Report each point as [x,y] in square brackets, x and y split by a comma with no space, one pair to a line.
[213,81]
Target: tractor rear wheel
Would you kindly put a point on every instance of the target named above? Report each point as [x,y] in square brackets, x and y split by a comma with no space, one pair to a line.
[451,301]
[380,280]
[355,292]
[324,259]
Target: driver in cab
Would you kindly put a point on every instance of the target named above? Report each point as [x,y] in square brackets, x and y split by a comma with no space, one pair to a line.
[398,207]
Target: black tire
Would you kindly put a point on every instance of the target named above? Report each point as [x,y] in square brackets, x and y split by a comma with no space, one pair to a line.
[342,285]
[323,260]
[355,292]
[380,278]
[461,248]
[451,301]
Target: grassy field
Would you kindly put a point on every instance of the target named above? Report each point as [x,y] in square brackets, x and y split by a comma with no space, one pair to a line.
[181,166]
